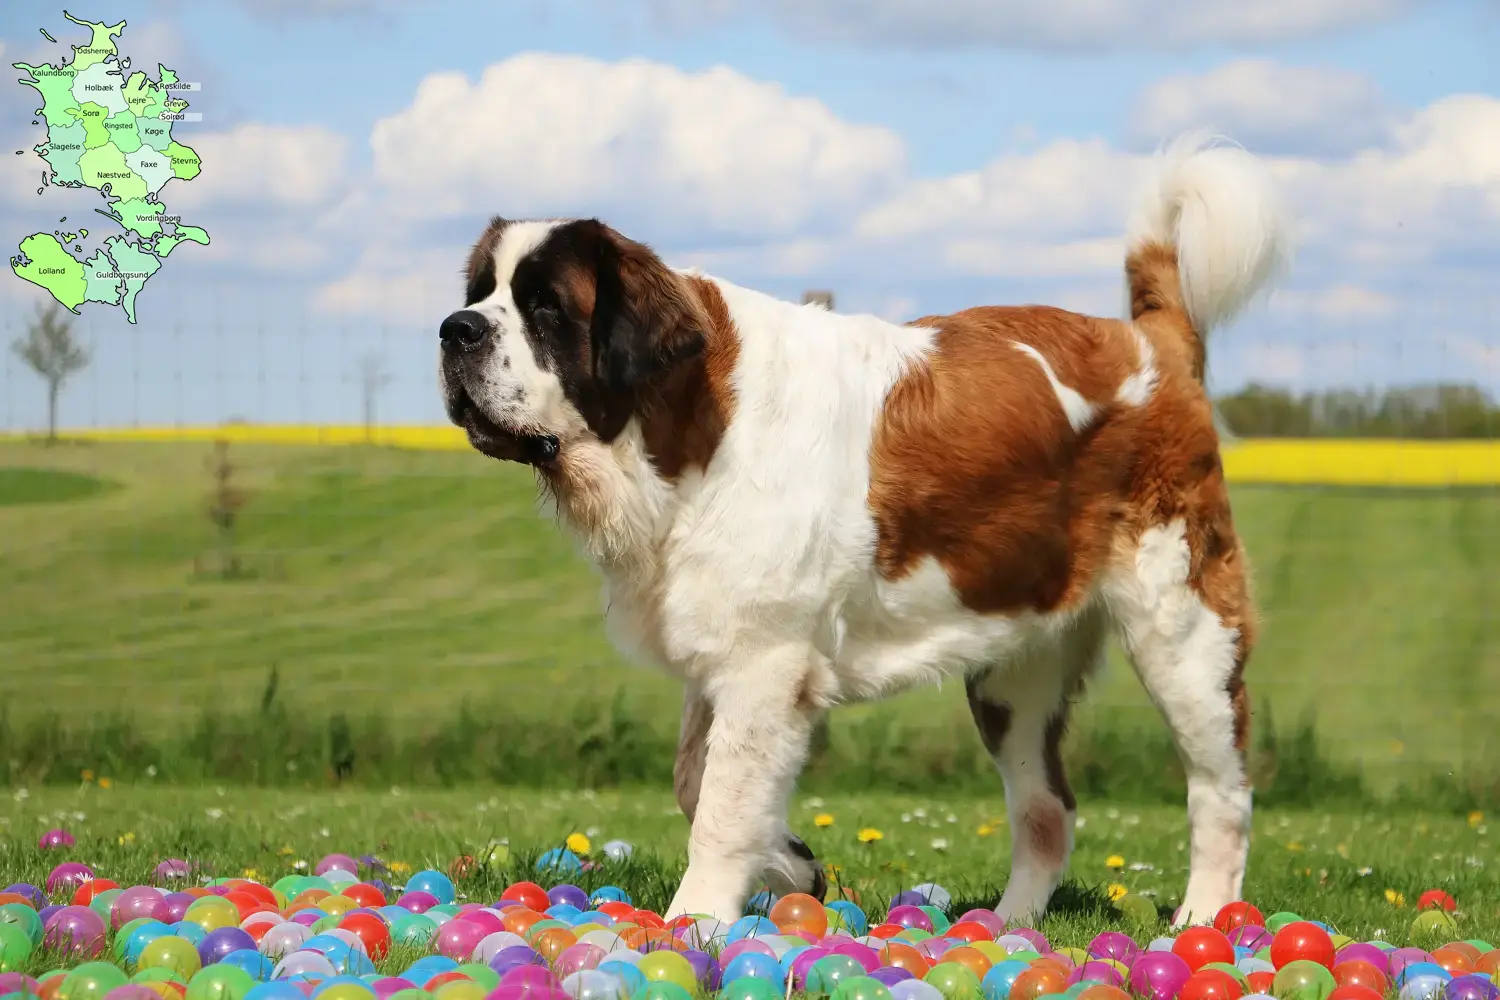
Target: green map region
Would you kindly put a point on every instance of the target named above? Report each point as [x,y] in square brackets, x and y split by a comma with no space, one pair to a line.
[110,129]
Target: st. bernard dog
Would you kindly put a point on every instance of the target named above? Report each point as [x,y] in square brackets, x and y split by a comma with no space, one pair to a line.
[794,509]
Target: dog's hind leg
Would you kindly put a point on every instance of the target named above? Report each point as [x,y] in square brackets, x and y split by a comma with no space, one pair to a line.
[1183,611]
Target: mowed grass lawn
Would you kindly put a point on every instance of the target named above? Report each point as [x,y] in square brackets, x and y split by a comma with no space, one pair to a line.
[410,582]
[1343,868]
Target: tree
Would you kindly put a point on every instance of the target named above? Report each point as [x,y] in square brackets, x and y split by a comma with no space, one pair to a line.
[372,378]
[50,350]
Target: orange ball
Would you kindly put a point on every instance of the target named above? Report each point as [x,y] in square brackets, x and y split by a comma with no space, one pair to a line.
[1104,991]
[886,931]
[1454,961]
[1355,992]
[1234,915]
[800,910]
[1489,962]
[519,921]
[1301,941]
[310,896]
[969,930]
[647,919]
[1211,984]
[1054,965]
[14,897]
[1466,949]
[660,939]
[371,931]
[632,937]
[553,942]
[1036,982]
[972,960]
[1197,946]
[904,956]
[85,893]
[1358,972]
[1260,982]
[528,894]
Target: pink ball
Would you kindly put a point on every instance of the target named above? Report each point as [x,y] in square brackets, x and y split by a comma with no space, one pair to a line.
[336,862]
[988,919]
[53,839]
[1158,975]
[491,923]
[738,948]
[576,957]
[457,939]
[136,901]
[77,930]
[861,953]
[69,875]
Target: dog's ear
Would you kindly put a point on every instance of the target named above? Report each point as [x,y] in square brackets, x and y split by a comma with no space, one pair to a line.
[646,320]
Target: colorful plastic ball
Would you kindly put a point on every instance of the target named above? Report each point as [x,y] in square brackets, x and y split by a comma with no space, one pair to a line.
[1302,941]
[854,918]
[76,930]
[68,876]
[222,982]
[90,981]
[1433,923]
[827,972]
[457,938]
[1136,909]
[54,839]
[915,989]
[218,943]
[591,984]
[1197,946]
[16,947]
[907,915]
[1276,921]
[434,883]
[305,965]
[189,930]
[1158,974]
[1436,899]
[171,952]
[1238,914]
[955,981]
[1036,982]
[755,965]
[255,965]
[1424,988]
[1354,991]
[133,991]
[750,988]
[1471,986]
[1251,937]
[668,967]
[559,861]
[1303,979]
[1114,945]
[799,910]
[862,988]
[1211,984]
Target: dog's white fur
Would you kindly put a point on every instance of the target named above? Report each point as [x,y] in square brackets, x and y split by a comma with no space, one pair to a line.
[753,580]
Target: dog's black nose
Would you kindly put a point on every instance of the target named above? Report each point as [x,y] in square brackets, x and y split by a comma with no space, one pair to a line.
[465,328]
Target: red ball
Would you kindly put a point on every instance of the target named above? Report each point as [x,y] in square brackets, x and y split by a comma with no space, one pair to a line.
[1211,984]
[886,931]
[443,979]
[529,895]
[970,931]
[1261,982]
[1302,940]
[686,920]
[365,895]
[85,893]
[1434,899]
[644,918]
[1197,946]
[1238,915]
[371,930]
[1355,992]
[1358,972]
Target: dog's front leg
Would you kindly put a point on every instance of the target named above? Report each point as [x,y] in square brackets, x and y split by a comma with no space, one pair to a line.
[761,719]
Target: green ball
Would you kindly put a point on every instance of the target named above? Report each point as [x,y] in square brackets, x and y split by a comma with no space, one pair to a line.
[24,917]
[1024,955]
[954,981]
[1137,909]
[481,974]
[101,903]
[1264,954]
[827,972]
[860,988]
[220,982]
[158,974]
[1429,923]
[414,994]
[661,989]
[940,921]
[750,988]
[327,923]
[90,981]
[913,935]
[413,929]
[16,947]
[347,991]
[171,952]
[452,910]
[668,967]
[1075,989]
[122,936]
[1277,921]
[1303,980]
[1480,945]
[287,885]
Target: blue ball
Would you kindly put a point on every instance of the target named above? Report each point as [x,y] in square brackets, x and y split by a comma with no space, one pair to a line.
[276,989]
[595,917]
[1418,969]
[749,927]
[854,917]
[1001,977]
[193,932]
[142,936]
[609,894]
[559,860]
[633,978]
[257,965]
[789,956]
[761,902]
[755,966]
[425,968]
[434,882]
[564,912]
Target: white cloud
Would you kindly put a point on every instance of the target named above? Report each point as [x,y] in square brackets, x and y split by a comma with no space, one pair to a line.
[1339,303]
[310,9]
[1268,106]
[297,166]
[1027,24]
[551,134]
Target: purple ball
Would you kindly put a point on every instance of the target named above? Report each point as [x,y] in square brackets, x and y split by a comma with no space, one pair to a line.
[908,898]
[908,915]
[804,962]
[1037,938]
[77,930]
[1471,987]
[1096,972]
[861,953]
[1250,936]
[417,901]
[514,957]
[531,978]
[306,917]
[336,862]
[738,948]
[569,895]
[934,947]
[1400,958]
[705,968]
[173,907]
[384,988]
[1158,975]
[36,896]
[45,913]
[890,975]
[69,875]
[172,870]
[1377,957]
[988,919]
[1114,945]
[53,839]
[217,944]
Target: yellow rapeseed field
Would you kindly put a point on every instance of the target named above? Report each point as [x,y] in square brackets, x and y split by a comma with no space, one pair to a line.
[1352,462]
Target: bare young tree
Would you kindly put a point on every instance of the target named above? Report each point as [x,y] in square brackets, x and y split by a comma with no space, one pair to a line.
[373,377]
[50,350]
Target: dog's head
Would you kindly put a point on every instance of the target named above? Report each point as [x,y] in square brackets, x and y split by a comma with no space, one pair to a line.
[564,325]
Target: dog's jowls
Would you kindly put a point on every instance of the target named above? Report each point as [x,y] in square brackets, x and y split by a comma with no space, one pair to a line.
[794,508]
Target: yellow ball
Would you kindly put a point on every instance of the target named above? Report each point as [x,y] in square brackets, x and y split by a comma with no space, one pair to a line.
[459,989]
[175,953]
[1078,955]
[668,967]
[991,951]
[346,991]
[212,913]
[337,906]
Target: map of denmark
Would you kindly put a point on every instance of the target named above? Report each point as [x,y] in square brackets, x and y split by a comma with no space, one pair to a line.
[109,129]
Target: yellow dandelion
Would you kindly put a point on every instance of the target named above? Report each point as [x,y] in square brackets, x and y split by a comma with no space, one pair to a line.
[400,867]
[823,819]
[88,775]
[1342,850]
[1114,861]
[1475,818]
[578,843]
[105,782]
[1115,891]
[250,873]
[985,830]
[869,835]
[1294,845]
[1397,748]
[1395,898]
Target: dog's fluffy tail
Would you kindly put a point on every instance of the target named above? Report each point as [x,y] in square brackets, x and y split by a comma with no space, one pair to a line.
[1208,234]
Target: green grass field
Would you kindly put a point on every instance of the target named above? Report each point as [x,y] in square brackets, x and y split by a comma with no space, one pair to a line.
[405,583]
[1334,867]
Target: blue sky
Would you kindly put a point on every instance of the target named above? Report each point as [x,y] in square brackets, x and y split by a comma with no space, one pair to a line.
[916,156]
